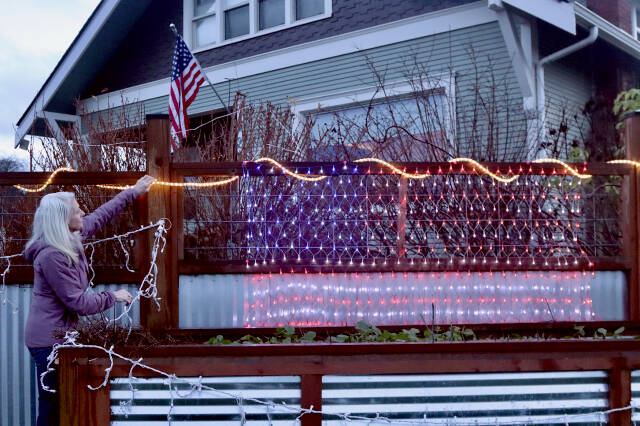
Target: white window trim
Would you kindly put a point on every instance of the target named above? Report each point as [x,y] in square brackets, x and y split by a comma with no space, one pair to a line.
[635,25]
[223,5]
[445,81]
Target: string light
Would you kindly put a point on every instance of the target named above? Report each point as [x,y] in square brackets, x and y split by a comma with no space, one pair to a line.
[47,183]
[70,341]
[303,177]
[147,287]
[627,162]
[484,169]
[394,168]
[567,167]
[122,187]
[289,172]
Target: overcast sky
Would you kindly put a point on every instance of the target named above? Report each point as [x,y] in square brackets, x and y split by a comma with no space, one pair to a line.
[33,36]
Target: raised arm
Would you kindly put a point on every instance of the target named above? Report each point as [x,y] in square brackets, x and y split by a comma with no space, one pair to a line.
[94,221]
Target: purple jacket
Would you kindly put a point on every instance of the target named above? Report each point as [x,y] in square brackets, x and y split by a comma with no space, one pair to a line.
[59,289]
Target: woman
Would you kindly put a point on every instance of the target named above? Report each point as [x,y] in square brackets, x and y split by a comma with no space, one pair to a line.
[60,280]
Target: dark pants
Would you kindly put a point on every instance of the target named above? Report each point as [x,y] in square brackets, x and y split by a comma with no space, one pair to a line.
[48,410]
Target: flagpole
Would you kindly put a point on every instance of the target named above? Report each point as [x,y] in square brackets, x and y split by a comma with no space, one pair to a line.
[175,31]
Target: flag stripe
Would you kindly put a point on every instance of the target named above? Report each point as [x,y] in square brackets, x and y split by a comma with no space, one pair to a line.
[186,79]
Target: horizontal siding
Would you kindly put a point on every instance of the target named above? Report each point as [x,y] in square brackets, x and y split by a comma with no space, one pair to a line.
[568,87]
[475,55]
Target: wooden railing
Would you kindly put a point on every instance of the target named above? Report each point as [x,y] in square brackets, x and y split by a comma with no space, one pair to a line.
[80,367]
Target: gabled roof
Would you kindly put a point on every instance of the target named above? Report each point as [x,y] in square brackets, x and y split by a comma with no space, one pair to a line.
[103,32]
[112,20]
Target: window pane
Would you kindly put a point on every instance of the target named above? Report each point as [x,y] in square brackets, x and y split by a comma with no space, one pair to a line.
[307,8]
[413,129]
[205,31]
[202,7]
[236,22]
[271,13]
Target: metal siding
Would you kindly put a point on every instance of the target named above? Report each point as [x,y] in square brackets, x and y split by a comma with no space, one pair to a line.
[151,402]
[224,300]
[531,398]
[18,391]
[17,380]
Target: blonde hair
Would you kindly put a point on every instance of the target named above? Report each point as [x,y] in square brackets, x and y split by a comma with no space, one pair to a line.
[51,223]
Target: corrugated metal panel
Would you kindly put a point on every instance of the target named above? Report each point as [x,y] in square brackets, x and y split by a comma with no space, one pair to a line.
[150,402]
[262,300]
[17,371]
[521,398]
[18,391]
[635,396]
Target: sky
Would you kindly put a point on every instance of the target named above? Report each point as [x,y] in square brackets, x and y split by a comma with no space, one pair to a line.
[33,37]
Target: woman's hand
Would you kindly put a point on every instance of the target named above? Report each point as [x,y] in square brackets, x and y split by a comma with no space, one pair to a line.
[123,296]
[143,184]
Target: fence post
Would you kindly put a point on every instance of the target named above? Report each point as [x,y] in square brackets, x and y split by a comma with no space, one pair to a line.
[402,217]
[159,206]
[80,406]
[311,395]
[620,396]
[630,228]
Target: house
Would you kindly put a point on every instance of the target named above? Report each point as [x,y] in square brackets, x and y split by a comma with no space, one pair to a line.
[320,56]
[507,80]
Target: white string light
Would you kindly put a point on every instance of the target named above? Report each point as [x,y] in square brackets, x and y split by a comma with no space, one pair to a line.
[147,286]
[70,341]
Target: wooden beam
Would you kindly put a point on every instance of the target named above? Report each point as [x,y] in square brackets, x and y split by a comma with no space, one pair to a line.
[239,266]
[630,216]
[159,206]
[311,398]
[236,168]
[620,396]
[69,178]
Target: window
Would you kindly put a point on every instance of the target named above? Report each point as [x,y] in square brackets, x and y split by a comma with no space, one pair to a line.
[271,13]
[402,124]
[210,23]
[635,19]
[236,22]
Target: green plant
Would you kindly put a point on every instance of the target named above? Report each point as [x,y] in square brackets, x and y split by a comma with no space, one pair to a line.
[602,333]
[626,102]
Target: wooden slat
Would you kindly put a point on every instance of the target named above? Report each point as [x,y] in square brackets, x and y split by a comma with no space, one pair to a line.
[104,275]
[387,358]
[236,266]
[69,178]
[348,168]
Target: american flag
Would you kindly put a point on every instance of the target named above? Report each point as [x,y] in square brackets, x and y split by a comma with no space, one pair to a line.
[186,79]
